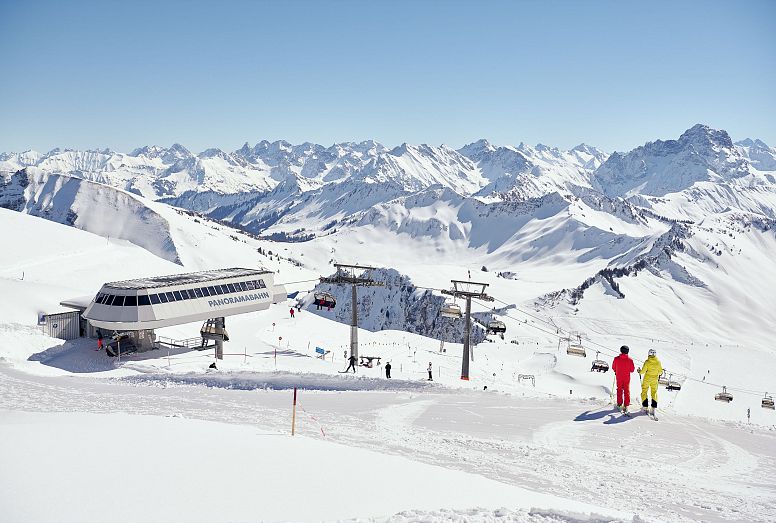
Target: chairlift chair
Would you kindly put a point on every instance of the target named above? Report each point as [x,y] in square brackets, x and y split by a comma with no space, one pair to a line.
[325,299]
[451,310]
[663,379]
[209,331]
[575,348]
[599,365]
[768,402]
[724,396]
[496,327]
[673,384]
[120,343]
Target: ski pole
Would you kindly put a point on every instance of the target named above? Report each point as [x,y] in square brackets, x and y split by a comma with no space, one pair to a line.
[611,392]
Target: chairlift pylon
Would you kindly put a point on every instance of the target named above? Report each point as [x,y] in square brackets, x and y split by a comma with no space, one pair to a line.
[724,395]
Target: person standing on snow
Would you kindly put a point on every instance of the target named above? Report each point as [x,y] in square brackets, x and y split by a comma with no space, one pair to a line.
[430,378]
[351,364]
[388,370]
[623,367]
[291,310]
[651,371]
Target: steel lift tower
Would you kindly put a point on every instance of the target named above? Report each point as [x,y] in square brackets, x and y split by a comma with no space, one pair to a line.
[353,275]
[467,290]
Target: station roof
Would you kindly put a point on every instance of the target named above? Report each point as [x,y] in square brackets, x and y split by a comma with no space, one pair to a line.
[78,303]
[161,301]
[185,279]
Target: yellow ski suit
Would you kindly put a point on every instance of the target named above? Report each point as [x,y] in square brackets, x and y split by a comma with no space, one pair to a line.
[651,370]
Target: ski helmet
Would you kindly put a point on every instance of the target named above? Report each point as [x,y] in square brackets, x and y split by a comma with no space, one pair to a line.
[652,352]
[624,349]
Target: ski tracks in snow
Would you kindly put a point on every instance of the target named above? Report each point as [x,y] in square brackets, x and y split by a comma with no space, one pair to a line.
[679,469]
[675,467]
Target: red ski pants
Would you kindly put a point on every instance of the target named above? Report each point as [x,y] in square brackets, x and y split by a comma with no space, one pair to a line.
[623,391]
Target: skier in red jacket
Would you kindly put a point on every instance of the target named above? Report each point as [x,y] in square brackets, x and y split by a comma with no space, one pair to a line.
[623,367]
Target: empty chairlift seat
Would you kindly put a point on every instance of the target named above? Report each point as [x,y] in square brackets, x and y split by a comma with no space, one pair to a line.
[768,402]
[451,310]
[673,384]
[663,379]
[724,396]
[212,331]
[575,348]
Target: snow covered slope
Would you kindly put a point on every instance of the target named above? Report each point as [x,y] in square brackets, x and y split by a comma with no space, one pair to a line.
[694,299]
[288,465]
[90,206]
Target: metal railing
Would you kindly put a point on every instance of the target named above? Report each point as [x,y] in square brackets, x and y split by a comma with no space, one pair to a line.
[189,343]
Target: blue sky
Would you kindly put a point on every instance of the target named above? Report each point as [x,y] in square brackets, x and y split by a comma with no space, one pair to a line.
[611,74]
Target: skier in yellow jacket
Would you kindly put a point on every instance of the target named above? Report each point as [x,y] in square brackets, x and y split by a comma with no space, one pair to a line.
[651,371]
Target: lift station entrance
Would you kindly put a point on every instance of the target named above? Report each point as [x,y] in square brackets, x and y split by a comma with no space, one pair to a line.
[135,308]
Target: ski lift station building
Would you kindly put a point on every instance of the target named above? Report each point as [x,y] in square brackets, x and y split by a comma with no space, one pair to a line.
[141,305]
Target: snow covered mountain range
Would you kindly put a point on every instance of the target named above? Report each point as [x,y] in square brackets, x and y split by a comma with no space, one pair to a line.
[286,189]
[259,186]
[581,217]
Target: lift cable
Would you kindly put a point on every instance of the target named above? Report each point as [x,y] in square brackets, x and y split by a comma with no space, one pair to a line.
[559,330]
[300,281]
[615,353]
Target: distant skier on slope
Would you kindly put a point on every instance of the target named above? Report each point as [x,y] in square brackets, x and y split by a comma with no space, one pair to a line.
[388,370]
[291,310]
[623,367]
[651,371]
[351,364]
[430,377]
